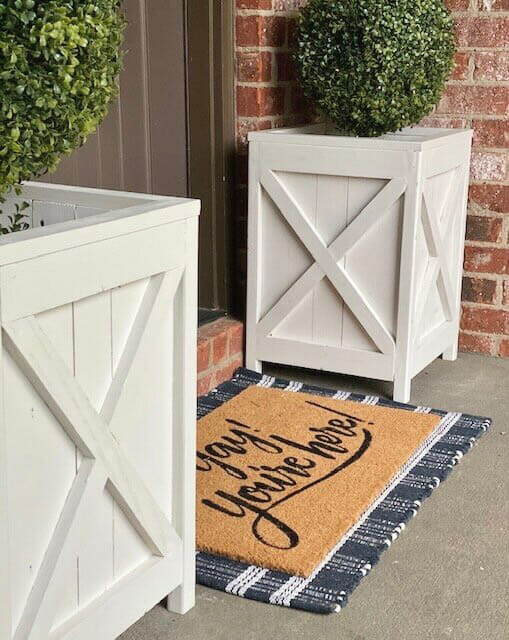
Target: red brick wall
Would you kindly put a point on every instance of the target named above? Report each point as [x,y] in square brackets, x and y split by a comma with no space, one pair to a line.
[220,352]
[267,94]
[477,95]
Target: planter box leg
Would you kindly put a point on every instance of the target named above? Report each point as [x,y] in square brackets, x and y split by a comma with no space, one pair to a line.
[184,491]
[451,353]
[402,387]
[183,598]
[254,365]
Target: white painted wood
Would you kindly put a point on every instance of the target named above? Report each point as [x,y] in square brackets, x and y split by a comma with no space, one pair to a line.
[85,212]
[356,163]
[130,310]
[6,587]
[58,325]
[48,213]
[184,443]
[124,603]
[29,287]
[36,499]
[304,190]
[97,438]
[126,219]
[355,249]
[324,135]
[353,362]
[147,354]
[341,281]
[407,286]
[254,264]
[52,556]
[330,221]
[436,341]
[93,372]
[456,252]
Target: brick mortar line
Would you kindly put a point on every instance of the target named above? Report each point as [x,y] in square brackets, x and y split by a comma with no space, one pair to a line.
[472,13]
[294,13]
[252,48]
[486,213]
[219,366]
[273,84]
[498,150]
[494,351]
[272,13]
[481,49]
[477,83]
[491,308]
[450,83]
[494,277]
[486,306]
[441,116]
[485,117]
[497,340]
[453,114]
[466,49]
[497,336]
[474,83]
[263,49]
[485,244]
[497,304]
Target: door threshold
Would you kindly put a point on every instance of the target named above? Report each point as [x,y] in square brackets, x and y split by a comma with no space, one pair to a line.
[209,315]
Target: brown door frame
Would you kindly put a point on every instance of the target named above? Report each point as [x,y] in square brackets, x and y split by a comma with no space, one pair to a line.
[211,140]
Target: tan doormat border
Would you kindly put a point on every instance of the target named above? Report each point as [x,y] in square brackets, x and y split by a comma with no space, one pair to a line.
[283,476]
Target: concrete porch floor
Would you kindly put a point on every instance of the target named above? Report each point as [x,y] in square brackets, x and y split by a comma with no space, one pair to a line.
[446,577]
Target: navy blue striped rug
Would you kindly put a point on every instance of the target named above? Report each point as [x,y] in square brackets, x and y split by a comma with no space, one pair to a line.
[327,589]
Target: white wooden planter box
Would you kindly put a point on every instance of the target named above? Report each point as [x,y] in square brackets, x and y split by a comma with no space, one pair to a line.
[356,250]
[97,424]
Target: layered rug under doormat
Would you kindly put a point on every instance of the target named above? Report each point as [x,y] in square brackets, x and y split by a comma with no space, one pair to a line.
[300,489]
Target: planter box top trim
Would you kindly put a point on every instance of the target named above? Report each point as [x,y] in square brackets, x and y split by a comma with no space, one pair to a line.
[411,139]
[104,213]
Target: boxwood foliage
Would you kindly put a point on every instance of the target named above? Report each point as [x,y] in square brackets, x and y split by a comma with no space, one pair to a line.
[374,66]
[59,60]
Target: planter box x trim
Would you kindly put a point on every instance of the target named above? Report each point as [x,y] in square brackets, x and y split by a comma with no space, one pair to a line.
[327,258]
[104,463]
[437,271]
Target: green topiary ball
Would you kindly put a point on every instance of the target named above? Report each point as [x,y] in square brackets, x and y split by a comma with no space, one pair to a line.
[59,61]
[375,66]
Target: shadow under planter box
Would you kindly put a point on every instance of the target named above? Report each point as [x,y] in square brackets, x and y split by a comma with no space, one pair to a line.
[356,250]
[97,427]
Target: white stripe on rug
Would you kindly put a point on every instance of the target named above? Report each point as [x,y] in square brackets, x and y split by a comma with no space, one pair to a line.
[266,381]
[294,386]
[341,395]
[239,585]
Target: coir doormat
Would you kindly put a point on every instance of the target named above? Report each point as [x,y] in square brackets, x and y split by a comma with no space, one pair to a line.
[282,476]
[298,494]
